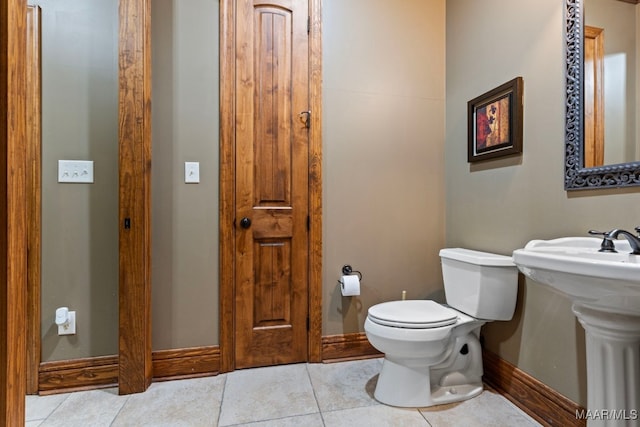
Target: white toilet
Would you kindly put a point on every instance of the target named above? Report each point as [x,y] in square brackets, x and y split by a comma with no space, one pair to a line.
[432,351]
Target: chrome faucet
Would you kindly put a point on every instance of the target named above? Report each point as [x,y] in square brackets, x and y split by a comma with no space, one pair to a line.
[634,241]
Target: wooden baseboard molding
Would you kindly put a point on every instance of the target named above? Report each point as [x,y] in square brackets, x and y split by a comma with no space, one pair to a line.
[186,363]
[78,374]
[339,348]
[541,402]
[100,372]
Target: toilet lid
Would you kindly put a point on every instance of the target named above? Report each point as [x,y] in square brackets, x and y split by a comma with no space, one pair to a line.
[417,314]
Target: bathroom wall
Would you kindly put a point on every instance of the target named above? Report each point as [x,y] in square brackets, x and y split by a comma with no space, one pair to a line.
[80,221]
[185,113]
[383,164]
[383,172]
[386,161]
[383,96]
[500,205]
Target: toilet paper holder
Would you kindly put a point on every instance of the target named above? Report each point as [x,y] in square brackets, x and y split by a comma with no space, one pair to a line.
[347,269]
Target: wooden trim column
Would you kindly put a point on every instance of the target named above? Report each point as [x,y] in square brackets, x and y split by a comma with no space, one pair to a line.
[135,366]
[227,179]
[315,182]
[13,230]
[34,195]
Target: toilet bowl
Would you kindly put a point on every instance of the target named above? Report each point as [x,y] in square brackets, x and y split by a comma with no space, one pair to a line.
[432,351]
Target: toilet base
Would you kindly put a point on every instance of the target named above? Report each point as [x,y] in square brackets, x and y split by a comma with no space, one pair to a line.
[410,387]
[399,385]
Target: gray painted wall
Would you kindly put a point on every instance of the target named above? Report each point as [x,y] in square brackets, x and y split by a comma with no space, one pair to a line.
[80,221]
[185,116]
[383,160]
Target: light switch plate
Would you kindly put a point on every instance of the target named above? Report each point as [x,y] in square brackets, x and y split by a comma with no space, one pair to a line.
[191,172]
[80,171]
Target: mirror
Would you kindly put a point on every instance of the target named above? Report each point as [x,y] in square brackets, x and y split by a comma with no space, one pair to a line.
[588,108]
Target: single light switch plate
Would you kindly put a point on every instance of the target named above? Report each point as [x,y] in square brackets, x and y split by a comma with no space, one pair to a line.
[75,171]
[191,172]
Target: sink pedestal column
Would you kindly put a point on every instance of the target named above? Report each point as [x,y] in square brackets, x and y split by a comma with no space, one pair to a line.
[613,365]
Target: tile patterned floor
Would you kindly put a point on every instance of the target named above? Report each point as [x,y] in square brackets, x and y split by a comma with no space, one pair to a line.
[313,395]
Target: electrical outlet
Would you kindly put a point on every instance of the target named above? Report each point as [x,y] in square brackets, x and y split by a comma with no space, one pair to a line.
[68,328]
[80,171]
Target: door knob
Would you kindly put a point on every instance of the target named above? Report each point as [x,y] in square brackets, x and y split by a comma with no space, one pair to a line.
[245,222]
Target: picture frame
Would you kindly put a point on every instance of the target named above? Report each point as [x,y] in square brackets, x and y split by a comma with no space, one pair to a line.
[495,122]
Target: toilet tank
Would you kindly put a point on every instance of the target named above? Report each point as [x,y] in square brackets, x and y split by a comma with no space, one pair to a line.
[480,284]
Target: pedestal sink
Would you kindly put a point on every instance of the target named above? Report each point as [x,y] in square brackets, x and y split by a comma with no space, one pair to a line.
[605,291]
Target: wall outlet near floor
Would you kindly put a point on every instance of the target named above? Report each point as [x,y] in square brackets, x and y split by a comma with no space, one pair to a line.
[68,328]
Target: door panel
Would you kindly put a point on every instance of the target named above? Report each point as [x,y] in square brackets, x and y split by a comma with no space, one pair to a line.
[272,169]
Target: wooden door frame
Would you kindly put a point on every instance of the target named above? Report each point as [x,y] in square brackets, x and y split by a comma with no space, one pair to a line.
[227,188]
[13,212]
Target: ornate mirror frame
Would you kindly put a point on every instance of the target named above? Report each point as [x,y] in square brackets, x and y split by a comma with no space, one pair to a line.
[578,177]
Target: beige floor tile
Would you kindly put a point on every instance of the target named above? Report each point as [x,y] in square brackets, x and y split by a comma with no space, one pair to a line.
[313,420]
[267,393]
[487,410]
[280,396]
[40,407]
[94,408]
[193,402]
[376,416]
[345,385]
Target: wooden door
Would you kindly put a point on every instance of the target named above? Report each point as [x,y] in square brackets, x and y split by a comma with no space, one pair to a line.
[271,182]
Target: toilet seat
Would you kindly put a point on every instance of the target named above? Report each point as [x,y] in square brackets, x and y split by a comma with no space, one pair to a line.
[412,314]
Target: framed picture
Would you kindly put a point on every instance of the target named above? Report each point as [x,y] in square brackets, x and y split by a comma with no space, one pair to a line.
[495,122]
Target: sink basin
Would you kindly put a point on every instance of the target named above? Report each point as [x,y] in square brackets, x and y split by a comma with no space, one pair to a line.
[572,265]
[604,288]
